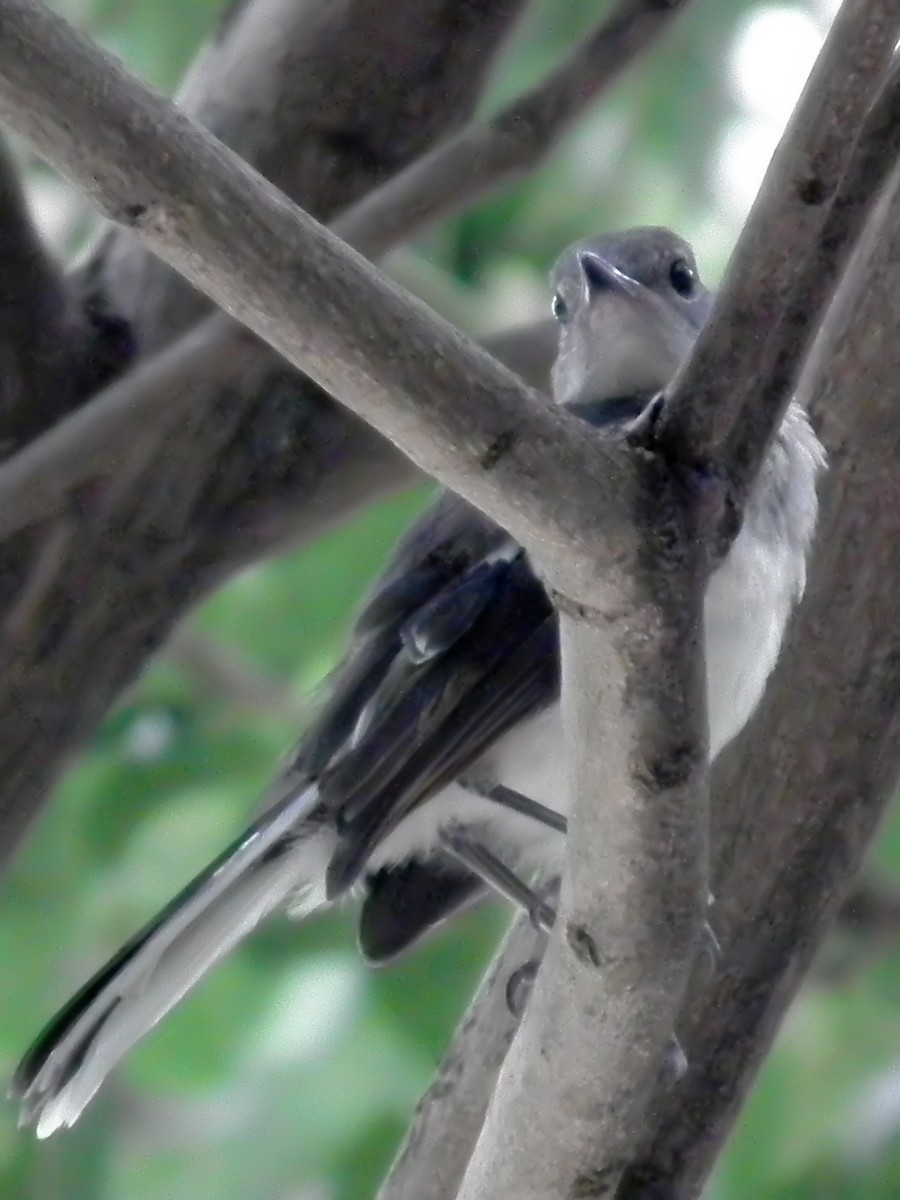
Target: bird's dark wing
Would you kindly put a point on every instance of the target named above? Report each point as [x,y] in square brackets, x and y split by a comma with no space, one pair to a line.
[456,644]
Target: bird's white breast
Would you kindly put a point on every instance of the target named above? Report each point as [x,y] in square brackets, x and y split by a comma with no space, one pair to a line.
[748,601]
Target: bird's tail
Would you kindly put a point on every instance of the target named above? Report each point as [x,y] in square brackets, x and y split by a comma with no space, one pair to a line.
[283,854]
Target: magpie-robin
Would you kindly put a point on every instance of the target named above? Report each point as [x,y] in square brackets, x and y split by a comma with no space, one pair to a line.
[435,766]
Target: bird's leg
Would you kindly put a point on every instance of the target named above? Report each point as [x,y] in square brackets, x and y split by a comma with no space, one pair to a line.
[675,1063]
[498,875]
[521,981]
[710,951]
[516,802]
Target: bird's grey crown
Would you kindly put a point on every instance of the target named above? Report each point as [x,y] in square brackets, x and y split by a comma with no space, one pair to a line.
[624,327]
[644,254]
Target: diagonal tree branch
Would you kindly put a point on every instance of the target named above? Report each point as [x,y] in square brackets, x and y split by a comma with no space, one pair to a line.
[267,458]
[270,265]
[325,100]
[463,168]
[819,190]
[445,1126]
[453,174]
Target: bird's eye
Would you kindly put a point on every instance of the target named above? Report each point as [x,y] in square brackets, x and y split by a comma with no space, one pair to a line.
[560,309]
[682,277]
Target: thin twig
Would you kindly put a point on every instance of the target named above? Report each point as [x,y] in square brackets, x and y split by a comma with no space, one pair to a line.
[231,677]
[25,614]
[448,1118]
[486,155]
[96,441]
[325,100]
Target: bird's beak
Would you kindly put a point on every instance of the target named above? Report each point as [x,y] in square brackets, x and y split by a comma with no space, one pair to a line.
[599,277]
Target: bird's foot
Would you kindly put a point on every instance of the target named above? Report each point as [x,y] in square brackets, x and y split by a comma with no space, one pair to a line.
[675,1063]
[519,985]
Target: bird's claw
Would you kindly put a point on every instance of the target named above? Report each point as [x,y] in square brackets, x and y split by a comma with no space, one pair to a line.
[675,1063]
[710,951]
[519,985]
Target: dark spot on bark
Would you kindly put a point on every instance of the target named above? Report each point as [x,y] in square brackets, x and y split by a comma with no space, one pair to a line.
[497,450]
[672,770]
[357,146]
[812,192]
[639,1182]
[583,945]
[594,1184]
[132,213]
[112,345]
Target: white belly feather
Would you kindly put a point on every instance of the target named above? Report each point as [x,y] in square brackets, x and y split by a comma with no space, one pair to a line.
[748,602]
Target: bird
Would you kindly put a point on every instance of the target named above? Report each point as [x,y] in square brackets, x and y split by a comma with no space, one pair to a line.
[432,773]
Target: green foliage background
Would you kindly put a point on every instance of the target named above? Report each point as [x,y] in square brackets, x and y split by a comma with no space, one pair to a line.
[292,1072]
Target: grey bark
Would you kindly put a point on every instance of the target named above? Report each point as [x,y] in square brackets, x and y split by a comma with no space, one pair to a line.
[277,84]
[288,464]
[765,832]
[789,840]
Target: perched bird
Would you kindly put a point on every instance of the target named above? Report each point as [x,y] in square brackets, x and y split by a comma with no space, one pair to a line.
[435,766]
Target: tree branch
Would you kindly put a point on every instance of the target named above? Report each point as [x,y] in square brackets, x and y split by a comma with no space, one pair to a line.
[449,176]
[821,186]
[268,458]
[320,305]
[229,676]
[322,99]
[124,422]
[789,840]
[445,1126]
[480,158]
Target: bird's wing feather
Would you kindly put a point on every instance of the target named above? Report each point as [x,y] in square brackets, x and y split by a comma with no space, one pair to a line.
[457,644]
